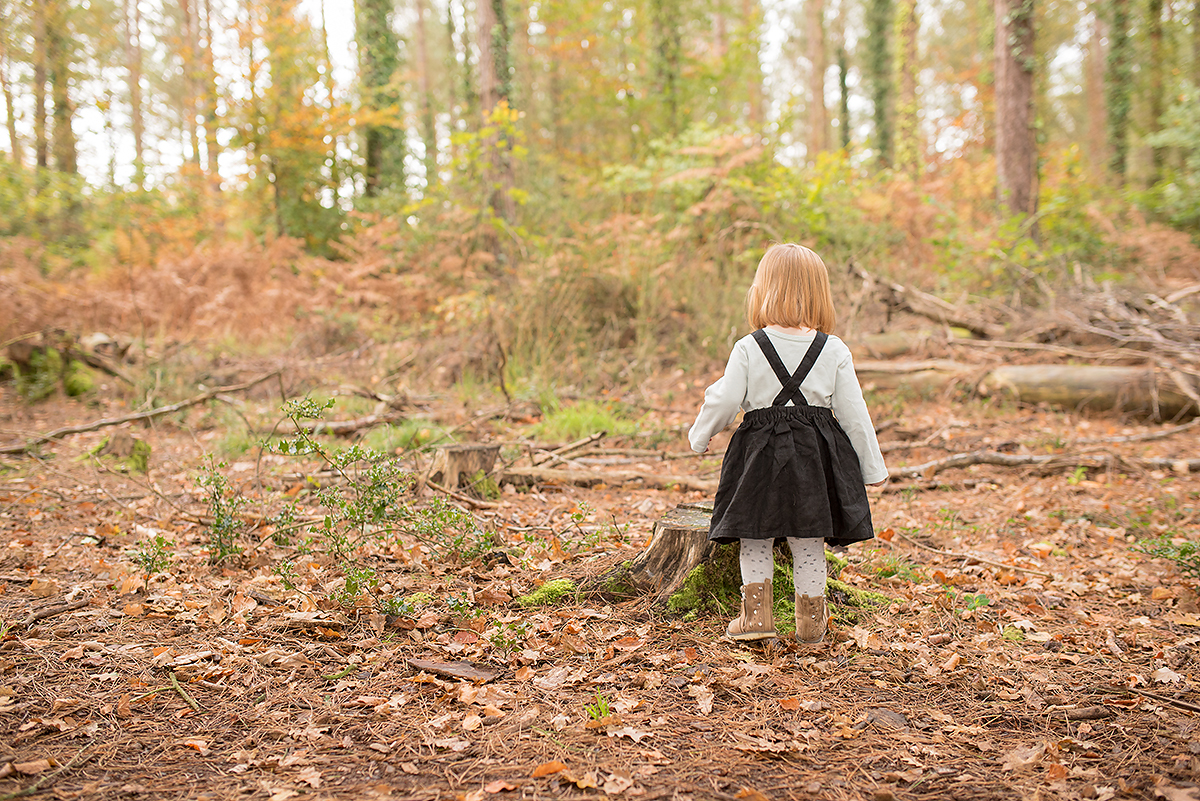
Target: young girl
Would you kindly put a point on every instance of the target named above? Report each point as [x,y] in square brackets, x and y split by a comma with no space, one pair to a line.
[796,466]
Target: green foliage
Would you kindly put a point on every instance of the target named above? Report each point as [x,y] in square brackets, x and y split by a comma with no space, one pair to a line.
[153,555]
[1177,196]
[78,379]
[599,710]
[1184,553]
[578,420]
[224,509]
[507,636]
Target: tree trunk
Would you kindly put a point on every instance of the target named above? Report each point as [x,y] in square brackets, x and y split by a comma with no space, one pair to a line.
[10,112]
[879,71]
[132,16]
[1127,390]
[1155,68]
[1097,122]
[1117,85]
[679,543]
[428,129]
[751,20]
[188,57]
[378,58]
[817,118]
[904,50]
[1016,145]
[843,83]
[495,89]
[58,61]
[210,95]
[41,148]
[668,46]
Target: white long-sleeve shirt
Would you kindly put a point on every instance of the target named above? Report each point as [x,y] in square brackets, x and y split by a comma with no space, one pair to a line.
[750,383]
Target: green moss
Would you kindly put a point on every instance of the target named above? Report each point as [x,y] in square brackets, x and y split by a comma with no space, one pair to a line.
[7,369]
[849,604]
[419,599]
[139,459]
[78,379]
[38,380]
[551,592]
[483,486]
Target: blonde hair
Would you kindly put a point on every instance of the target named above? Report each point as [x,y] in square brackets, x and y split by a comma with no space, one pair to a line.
[791,289]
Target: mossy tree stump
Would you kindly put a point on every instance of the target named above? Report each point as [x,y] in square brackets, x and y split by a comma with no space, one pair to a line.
[459,466]
[686,573]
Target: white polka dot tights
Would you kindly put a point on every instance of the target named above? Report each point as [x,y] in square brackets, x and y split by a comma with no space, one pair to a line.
[808,563]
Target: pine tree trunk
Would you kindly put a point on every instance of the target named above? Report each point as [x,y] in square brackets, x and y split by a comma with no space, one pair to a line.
[212,147]
[843,83]
[1155,68]
[41,146]
[668,46]
[495,88]
[1016,146]
[879,71]
[133,66]
[187,57]
[817,118]
[751,19]
[904,54]
[378,57]
[1097,139]
[1117,80]
[10,112]
[428,129]
[58,61]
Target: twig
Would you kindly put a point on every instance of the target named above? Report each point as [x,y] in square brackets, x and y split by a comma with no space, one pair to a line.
[129,418]
[1152,435]
[51,611]
[972,557]
[554,455]
[1165,699]
[467,499]
[929,469]
[42,782]
[184,694]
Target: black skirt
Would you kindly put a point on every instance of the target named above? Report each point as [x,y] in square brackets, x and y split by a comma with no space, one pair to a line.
[791,471]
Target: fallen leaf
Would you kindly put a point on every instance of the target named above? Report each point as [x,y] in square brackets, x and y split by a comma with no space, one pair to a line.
[310,776]
[500,786]
[704,697]
[790,704]
[1023,756]
[616,784]
[43,588]
[197,744]
[1164,675]
[409,768]
[628,731]
[34,767]
[548,768]
[472,722]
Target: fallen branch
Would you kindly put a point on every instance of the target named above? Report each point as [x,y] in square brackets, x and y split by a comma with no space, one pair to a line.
[130,418]
[184,694]
[342,428]
[587,478]
[52,611]
[1054,460]
[458,496]
[936,309]
[557,454]
[42,782]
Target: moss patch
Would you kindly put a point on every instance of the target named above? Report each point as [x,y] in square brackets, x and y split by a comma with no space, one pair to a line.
[551,592]
[419,599]
[37,380]
[78,379]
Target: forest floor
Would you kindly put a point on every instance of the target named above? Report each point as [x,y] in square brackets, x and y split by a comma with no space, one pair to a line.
[1028,653]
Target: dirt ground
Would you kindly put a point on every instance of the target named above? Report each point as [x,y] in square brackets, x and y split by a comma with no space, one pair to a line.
[1028,652]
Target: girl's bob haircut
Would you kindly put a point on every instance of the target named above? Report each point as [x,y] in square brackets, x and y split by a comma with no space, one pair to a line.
[791,289]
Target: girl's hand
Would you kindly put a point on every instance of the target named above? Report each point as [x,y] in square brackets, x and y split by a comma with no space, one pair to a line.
[878,483]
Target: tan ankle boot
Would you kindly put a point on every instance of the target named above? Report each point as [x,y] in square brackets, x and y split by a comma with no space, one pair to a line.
[812,616]
[756,622]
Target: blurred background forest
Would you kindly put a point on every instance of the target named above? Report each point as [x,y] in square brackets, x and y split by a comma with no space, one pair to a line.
[584,185]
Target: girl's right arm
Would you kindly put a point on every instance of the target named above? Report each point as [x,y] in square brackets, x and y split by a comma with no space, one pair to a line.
[722,400]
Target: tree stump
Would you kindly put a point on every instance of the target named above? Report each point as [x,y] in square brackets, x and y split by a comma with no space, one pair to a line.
[456,466]
[678,544]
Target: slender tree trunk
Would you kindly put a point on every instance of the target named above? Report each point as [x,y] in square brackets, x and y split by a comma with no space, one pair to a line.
[378,56]
[428,129]
[1196,44]
[843,95]
[132,16]
[879,71]
[1097,139]
[668,50]
[335,170]
[908,149]
[1118,92]
[495,88]
[58,60]
[212,145]
[187,55]
[817,117]
[751,19]
[1016,146]
[10,111]
[41,145]
[1154,23]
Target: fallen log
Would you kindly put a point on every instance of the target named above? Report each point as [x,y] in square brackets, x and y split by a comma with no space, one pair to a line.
[930,306]
[528,476]
[1136,390]
[1052,461]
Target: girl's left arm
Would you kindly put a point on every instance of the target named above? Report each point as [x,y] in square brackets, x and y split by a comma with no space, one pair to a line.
[722,400]
[851,411]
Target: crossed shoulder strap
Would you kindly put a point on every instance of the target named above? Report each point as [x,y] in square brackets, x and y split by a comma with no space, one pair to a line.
[791,383]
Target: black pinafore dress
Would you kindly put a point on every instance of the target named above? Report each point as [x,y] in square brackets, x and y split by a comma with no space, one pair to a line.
[791,471]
